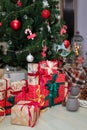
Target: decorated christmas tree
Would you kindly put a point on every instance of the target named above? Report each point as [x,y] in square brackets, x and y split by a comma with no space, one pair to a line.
[32,30]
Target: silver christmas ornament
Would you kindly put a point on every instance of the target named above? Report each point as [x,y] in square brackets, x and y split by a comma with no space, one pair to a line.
[30,58]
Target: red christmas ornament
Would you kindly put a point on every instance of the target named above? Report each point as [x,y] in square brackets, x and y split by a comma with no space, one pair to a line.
[66,43]
[15,24]
[45,13]
[0,23]
[19,3]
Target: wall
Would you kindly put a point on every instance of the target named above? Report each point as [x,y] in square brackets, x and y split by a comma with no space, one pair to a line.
[82,21]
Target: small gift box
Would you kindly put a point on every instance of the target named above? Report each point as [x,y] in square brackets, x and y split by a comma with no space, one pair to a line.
[48,67]
[25,113]
[4,88]
[33,75]
[16,87]
[32,68]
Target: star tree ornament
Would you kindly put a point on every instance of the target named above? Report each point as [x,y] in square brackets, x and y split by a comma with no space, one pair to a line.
[45,3]
[30,58]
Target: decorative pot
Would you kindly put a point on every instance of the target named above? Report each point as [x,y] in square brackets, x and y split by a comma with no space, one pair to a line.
[72,104]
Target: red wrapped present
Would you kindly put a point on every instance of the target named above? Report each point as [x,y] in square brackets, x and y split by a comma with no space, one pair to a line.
[54,89]
[48,88]
[48,67]
[25,113]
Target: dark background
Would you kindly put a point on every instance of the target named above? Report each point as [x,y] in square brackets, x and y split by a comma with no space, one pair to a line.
[69,17]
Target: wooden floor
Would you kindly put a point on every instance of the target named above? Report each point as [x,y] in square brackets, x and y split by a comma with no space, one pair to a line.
[55,118]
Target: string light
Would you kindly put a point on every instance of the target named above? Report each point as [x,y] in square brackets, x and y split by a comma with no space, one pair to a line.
[18,52]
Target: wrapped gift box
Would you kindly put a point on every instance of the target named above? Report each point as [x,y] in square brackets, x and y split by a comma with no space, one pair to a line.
[25,113]
[53,89]
[48,67]
[4,94]
[16,87]
[4,88]
[32,68]
[1,73]
[16,75]
[33,74]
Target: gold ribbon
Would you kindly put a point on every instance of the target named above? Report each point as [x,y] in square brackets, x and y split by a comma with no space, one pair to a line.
[40,98]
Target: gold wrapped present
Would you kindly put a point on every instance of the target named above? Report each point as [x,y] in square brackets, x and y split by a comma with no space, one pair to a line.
[1,73]
[25,113]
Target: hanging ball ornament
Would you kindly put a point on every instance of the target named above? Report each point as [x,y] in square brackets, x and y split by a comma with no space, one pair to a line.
[66,43]
[15,24]
[0,23]
[29,58]
[45,13]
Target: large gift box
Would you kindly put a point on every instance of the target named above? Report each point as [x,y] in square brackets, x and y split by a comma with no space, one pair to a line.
[53,89]
[25,113]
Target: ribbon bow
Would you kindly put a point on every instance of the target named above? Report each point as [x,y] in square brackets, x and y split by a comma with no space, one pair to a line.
[50,66]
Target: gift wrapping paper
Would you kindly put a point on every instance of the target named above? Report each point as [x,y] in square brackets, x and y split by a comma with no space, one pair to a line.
[16,87]
[1,73]
[32,68]
[33,79]
[56,88]
[4,88]
[48,67]
[25,113]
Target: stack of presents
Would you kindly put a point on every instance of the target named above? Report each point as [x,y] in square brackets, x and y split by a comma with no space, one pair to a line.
[45,86]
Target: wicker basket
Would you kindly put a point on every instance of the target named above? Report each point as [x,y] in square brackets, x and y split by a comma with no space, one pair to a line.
[82,103]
